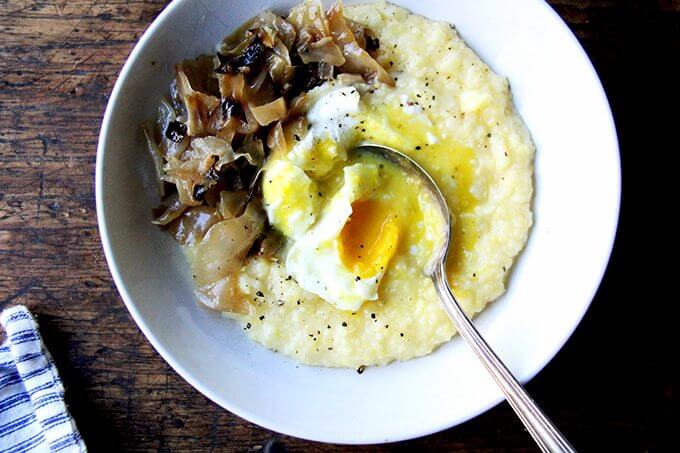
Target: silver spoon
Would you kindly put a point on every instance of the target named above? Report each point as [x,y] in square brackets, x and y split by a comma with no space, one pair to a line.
[546,435]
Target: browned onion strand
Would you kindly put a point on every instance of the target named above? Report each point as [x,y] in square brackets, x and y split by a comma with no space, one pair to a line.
[156,158]
[193,223]
[357,59]
[232,204]
[227,114]
[174,209]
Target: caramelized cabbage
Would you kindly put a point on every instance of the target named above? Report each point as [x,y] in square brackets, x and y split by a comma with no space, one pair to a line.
[276,140]
[232,86]
[233,204]
[271,242]
[224,295]
[282,29]
[199,72]
[200,107]
[167,115]
[253,150]
[279,65]
[193,223]
[357,60]
[174,209]
[198,166]
[156,159]
[270,112]
[314,42]
[226,244]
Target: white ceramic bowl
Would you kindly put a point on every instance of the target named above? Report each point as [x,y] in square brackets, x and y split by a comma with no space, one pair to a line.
[576,207]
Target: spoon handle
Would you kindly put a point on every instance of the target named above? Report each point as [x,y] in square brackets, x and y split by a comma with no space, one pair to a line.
[546,435]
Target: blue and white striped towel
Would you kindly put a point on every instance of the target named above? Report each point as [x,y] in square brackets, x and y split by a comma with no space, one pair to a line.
[33,416]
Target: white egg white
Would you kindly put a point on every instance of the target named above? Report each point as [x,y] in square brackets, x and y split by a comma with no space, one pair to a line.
[331,121]
[314,259]
[290,197]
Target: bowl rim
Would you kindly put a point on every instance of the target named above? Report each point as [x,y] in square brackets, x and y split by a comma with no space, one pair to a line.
[259,420]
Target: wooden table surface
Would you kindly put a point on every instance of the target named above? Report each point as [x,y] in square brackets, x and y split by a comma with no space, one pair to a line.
[608,389]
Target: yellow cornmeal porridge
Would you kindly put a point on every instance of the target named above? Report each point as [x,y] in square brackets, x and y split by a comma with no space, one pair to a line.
[452,114]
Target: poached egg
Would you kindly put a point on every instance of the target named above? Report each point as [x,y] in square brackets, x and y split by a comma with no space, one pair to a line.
[343,257]
[341,235]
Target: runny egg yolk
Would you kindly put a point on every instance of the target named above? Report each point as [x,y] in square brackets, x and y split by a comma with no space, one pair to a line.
[369,239]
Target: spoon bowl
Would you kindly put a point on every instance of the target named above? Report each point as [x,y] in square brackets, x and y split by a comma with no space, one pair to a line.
[544,432]
[413,169]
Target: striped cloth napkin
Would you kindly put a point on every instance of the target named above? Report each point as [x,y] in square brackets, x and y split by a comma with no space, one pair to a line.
[33,416]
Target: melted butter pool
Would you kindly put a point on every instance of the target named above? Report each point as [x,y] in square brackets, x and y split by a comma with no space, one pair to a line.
[450,164]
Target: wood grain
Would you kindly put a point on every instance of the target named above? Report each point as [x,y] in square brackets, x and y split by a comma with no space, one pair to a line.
[608,389]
